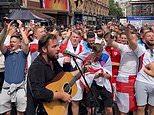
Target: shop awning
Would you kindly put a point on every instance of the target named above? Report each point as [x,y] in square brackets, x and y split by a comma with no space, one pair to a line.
[44,16]
[21,14]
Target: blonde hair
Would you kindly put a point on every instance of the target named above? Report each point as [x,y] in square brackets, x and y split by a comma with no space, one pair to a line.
[77,32]
[36,28]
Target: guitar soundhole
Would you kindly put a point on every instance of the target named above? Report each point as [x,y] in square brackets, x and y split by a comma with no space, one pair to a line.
[67,88]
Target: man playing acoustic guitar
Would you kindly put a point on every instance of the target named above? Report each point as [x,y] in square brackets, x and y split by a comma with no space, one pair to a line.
[41,72]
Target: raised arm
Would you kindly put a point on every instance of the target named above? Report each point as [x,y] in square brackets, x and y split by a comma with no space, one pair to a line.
[132,38]
[2,35]
[8,30]
[25,41]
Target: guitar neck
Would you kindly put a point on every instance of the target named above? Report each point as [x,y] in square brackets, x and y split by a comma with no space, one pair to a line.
[77,76]
[72,82]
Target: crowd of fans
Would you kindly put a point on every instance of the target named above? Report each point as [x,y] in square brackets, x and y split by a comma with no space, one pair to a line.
[119,62]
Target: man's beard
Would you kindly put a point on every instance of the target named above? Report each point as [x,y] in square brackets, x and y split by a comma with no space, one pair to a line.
[51,58]
[100,35]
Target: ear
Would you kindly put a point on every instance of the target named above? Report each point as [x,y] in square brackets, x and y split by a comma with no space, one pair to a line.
[44,49]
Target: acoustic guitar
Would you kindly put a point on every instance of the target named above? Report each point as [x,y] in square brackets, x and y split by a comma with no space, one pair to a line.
[64,81]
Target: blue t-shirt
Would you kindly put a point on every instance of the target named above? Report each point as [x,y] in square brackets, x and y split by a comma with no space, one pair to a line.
[14,66]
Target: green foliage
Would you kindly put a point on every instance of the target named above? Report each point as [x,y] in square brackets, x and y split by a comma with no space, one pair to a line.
[114,9]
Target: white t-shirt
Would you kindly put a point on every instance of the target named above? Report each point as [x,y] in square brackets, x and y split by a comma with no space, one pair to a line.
[145,58]
[34,54]
[128,62]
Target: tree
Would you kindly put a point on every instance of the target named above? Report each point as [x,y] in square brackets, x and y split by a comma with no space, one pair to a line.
[114,9]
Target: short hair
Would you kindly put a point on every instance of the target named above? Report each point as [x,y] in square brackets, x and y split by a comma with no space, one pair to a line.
[122,33]
[44,41]
[16,36]
[90,34]
[78,32]
[98,27]
[149,31]
[142,31]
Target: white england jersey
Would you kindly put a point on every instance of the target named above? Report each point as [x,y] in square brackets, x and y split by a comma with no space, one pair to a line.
[145,57]
[128,62]
[125,80]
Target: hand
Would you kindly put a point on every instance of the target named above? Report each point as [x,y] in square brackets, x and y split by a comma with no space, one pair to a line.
[20,24]
[86,68]
[8,26]
[149,69]
[62,96]
[127,28]
[11,30]
[99,73]
[65,97]
[54,32]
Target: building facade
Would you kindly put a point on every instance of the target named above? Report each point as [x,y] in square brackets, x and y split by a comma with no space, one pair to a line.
[59,9]
[65,12]
[140,12]
[140,8]
[89,11]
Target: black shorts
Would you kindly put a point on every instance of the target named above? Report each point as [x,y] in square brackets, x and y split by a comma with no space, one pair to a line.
[103,97]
